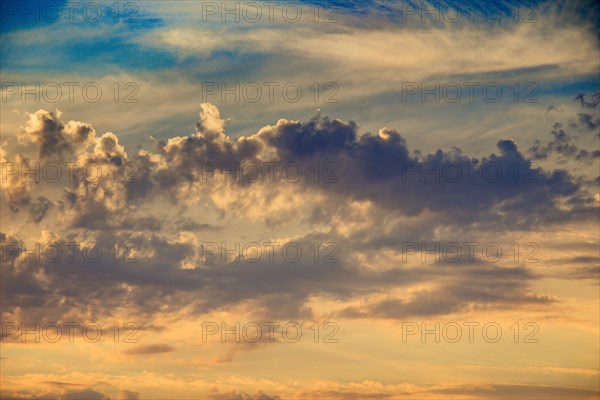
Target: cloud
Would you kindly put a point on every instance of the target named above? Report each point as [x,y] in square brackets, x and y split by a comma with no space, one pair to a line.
[378,179]
[46,130]
[379,175]
[235,395]
[86,394]
[379,168]
[271,290]
[360,51]
[495,288]
[18,190]
[507,391]
[150,349]
[128,395]
[563,144]
[69,394]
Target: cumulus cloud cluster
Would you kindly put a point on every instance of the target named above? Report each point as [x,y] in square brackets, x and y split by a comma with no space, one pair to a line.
[378,179]
[380,168]
[563,144]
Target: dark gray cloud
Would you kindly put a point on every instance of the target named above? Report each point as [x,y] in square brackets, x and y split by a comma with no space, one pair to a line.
[499,189]
[506,391]
[18,191]
[238,395]
[279,290]
[86,394]
[589,273]
[150,349]
[580,267]
[588,101]
[47,131]
[562,145]
[495,288]
[586,122]
[69,394]
[503,191]
[128,395]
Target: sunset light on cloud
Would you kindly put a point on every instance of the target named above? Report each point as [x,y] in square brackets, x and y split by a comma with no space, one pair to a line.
[300,200]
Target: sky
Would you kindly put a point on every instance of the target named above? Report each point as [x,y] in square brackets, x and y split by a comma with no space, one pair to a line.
[300,200]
